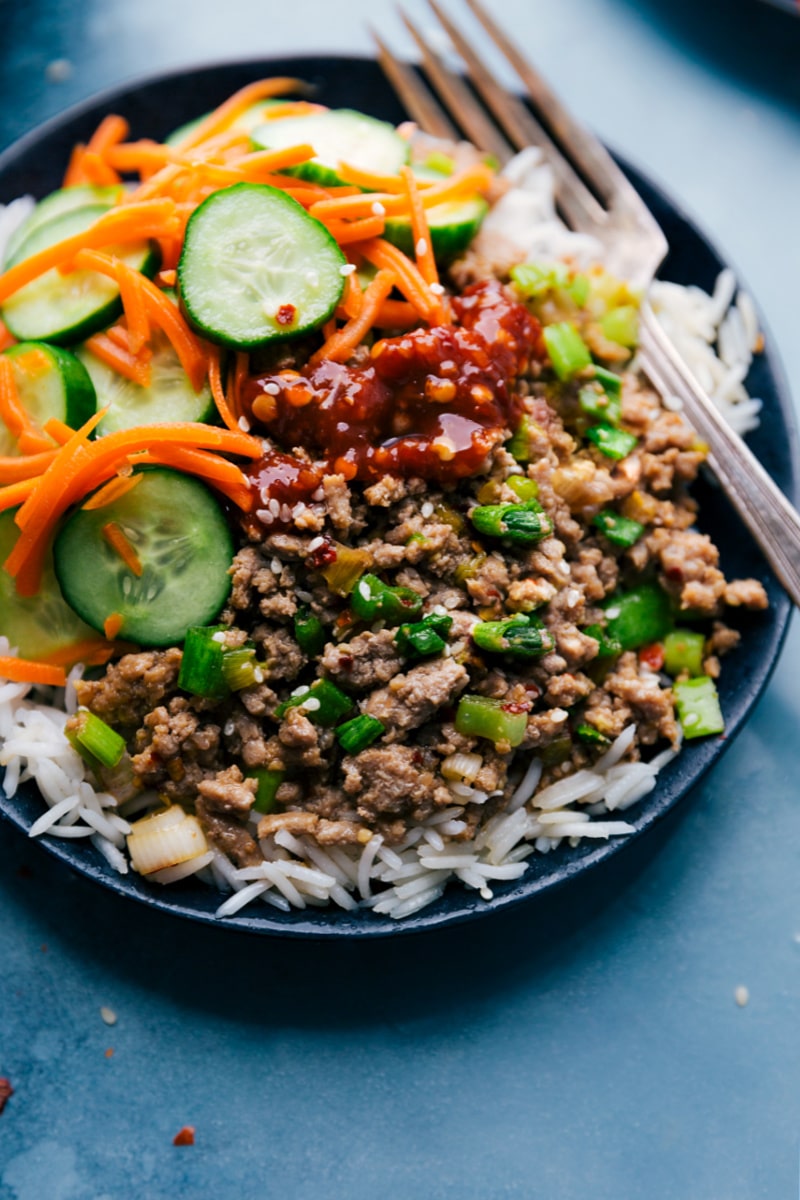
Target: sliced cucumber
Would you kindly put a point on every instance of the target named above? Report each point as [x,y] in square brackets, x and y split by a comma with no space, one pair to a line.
[168,397]
[37,625]
[67,308]
[247,121]
[255,267]
[50,383]
[340,135]
[452,226]
[182,539]
[56,204]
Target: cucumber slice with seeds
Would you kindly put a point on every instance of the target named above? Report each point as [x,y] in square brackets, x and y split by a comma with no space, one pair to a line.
[339,135]
[65,200]
[182,539]
[67,308]
[50,383]
[41,625]
[256,268]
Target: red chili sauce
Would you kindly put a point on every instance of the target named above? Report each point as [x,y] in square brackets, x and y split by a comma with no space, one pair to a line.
[431,403]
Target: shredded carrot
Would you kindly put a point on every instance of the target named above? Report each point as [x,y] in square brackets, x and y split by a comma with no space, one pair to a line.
[130,290]
[168,278]
[7,338]
[113,624]
[97,170]
[353,300]
[475,179]
[292,108]
[423,248]
[217,391]
[74,173]
[92,651]
[124,548]
[383,254]
[132,222]
[264,162]
[119,359]
[224,116]
[219,472]
[14,415]
[110,132]
[58,430]
[374,182]
[31,441]
[14,494]
[13,469]
[144,155]
[396,314]
[24,670]
[341,345]
[111,491]
[347,232]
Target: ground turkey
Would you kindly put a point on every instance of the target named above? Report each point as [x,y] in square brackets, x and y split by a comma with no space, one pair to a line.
[411,699]
[132,687]
[391,782]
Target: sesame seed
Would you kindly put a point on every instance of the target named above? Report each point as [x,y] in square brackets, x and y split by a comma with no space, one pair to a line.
[440,610]
[741,995]
[315,544]
[318,495]
[347,269]
[230,728]
[452,602]
[613,612]
[276,566]
[302,690]
[311,705]
[272,389]
[265,515]
[298,510]
[274,507]
[108,1015]
[244,424]
[427,509]
[258,675]
[437,289]
[218,637]
[58,71]
[421,247]
[378,209]
[286,512]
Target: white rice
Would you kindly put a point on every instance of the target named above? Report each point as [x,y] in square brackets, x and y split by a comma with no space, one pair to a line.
[717,334]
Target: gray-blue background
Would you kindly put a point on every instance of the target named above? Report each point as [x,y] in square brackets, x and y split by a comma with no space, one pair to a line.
[587,1048]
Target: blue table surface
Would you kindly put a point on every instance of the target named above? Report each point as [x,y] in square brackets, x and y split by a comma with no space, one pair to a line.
[589,1046]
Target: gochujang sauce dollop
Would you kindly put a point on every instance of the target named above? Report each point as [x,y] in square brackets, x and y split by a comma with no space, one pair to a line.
[431,403]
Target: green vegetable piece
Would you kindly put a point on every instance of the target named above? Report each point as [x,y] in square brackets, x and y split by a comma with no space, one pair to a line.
[638,617]
[417,539]
[568,352]
[202,672]
[96,741]
[519,445]
[609,382]
[309,631]
[683,651]
[323,703]
[622,531]
[481,716]
[621,325]
[521,636]
[443,164]
[425,637]
[266,793]
[355,735]
[526,489]
[608,646]
[599,404]
[525,523]
[590,735]
[579,289]
[239,668]
[614,443]
[342,574]
[537,279]
[374,600]
[697,702]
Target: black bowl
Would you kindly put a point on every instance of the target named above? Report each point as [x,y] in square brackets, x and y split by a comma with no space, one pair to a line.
[156,106]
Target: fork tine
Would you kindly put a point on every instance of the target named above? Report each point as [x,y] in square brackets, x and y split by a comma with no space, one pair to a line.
[453,90]
[577,202]
[417,98]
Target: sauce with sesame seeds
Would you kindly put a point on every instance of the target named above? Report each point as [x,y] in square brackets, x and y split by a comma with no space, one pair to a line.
[431,403]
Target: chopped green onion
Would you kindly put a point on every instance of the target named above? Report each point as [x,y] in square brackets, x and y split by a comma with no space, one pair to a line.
[468,570]
[450,516]
[374,600]
[94,740]
[557,751]
[525,523]
[417,538]
[568,352]
[519,446]
[622,531]
[526,489]
[599,404]
[239,668]
[355,735]
[342,574]
[266,792]
[609,382]
[591,735]
[579,289]
[309,631]
[639,617]
[323,703]
[536,279]
[425,637]
[521,636]
[614,443]
[683,651]
[697,702]
[608,646]
[621,325]
[481,716]
[202,671]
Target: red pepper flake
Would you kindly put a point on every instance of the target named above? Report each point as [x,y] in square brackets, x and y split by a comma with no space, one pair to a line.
[184,1137]
[110,1052]
[323,556]
[675,573]
[521,706]
[6,1092]
[652,656]
[285,314]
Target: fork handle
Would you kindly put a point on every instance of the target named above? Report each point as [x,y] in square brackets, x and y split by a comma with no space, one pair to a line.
[772,520]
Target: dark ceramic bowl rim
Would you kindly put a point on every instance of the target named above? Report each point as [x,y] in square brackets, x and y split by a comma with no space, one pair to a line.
[457,905]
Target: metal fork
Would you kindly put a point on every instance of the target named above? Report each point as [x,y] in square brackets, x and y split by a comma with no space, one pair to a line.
[594,197]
